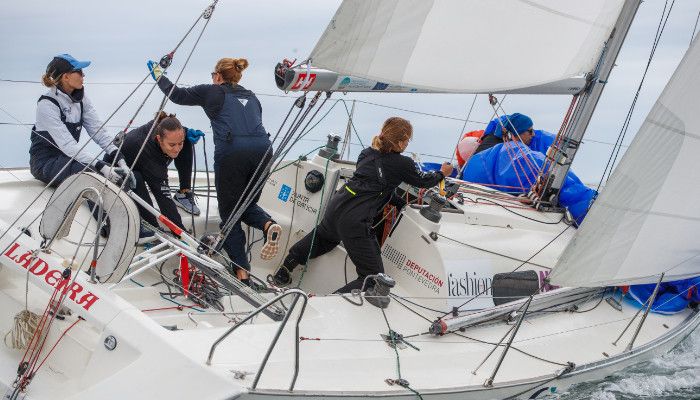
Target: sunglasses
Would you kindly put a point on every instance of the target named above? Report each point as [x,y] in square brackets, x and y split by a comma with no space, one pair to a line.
[213,73]
[78,71]
[530,131]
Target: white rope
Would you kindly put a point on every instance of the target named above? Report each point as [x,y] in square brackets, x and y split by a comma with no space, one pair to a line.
[25,325]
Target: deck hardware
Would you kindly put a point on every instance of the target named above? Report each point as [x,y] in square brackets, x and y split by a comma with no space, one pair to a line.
[432,211]
[615,303]
[647,303]
[606,354]
[395,340]
[297,294]
[646,312]
[434,236]
[378,294]
[401,382]
[489,381]
[110,343]
[240,374]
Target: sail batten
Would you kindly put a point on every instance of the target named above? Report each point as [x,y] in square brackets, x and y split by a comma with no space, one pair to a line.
[647,220]
[467,46]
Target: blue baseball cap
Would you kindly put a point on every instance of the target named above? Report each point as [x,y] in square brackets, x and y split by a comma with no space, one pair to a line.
[64,63]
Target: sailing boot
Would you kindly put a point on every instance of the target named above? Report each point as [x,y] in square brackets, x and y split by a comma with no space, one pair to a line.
[283,276]
[186,201]
[272,237]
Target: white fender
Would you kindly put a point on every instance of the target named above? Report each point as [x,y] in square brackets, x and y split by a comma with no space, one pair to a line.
[120,247]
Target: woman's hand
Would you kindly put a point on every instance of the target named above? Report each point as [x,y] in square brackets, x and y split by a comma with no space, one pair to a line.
[155,70]
[446,169]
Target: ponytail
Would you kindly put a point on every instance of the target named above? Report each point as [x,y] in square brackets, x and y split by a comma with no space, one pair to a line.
[394,131]
[49,81]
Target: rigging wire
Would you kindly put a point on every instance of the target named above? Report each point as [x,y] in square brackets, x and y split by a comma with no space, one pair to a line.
[626,123]
[87,166]
[692,36]
[461,131]
[442,116]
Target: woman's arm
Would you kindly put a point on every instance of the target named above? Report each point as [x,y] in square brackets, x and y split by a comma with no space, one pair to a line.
[209,97]
[161,192]
[414,177]
[94,127]
[48,119]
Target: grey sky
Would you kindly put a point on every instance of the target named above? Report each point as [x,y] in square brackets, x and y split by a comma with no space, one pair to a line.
[118,37]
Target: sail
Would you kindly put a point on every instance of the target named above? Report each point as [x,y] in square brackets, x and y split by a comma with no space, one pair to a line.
[469,46]
[647,219]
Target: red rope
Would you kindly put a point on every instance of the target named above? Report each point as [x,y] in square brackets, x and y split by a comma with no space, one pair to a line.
[34,349]
[57,342]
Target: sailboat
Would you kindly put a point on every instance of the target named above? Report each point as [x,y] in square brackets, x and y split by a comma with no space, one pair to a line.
[113,320]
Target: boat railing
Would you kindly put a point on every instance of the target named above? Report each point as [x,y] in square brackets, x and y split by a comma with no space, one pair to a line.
[298,293]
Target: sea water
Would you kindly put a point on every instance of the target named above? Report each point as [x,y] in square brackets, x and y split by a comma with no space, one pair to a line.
[675,375]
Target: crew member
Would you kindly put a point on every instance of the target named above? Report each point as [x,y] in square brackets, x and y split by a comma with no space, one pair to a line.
[348,218]
[241,148]
[168,141]
[61,114]
[516,124]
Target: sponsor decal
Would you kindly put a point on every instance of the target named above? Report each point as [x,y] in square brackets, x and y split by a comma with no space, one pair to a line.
[344,83]
[413,269]
[300,80]
[468,284]
[302,201]
[469,279]
[545,287]
[52,276]
[380,86]
[284,193]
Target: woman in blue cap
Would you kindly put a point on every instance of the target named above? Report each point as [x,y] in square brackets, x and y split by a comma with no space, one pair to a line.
[61,114]
[519,125]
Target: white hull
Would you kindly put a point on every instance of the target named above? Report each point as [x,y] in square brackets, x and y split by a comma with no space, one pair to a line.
[345,355]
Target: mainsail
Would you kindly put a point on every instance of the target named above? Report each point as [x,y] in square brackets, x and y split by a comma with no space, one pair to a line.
[469,46]
[647,220]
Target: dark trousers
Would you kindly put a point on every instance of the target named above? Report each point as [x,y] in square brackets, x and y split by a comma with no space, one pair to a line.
[183,164]
[338,225]
[235,162]
[46,169]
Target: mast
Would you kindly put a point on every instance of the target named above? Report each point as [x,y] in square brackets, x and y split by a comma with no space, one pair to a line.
[563,156]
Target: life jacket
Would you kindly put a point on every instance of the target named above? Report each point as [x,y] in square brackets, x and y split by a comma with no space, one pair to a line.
[466,147]
[368,178]
[42,144]
[240,116]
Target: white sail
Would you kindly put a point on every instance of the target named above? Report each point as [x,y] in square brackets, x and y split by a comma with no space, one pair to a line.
[647,220]
[469,46]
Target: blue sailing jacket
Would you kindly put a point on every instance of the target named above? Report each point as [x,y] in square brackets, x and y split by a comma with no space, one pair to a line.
[494,166]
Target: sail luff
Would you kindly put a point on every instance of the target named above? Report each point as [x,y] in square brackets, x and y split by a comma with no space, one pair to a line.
[647,221]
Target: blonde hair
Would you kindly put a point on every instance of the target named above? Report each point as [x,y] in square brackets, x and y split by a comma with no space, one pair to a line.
[394,131]
[49,81]
[231,68]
